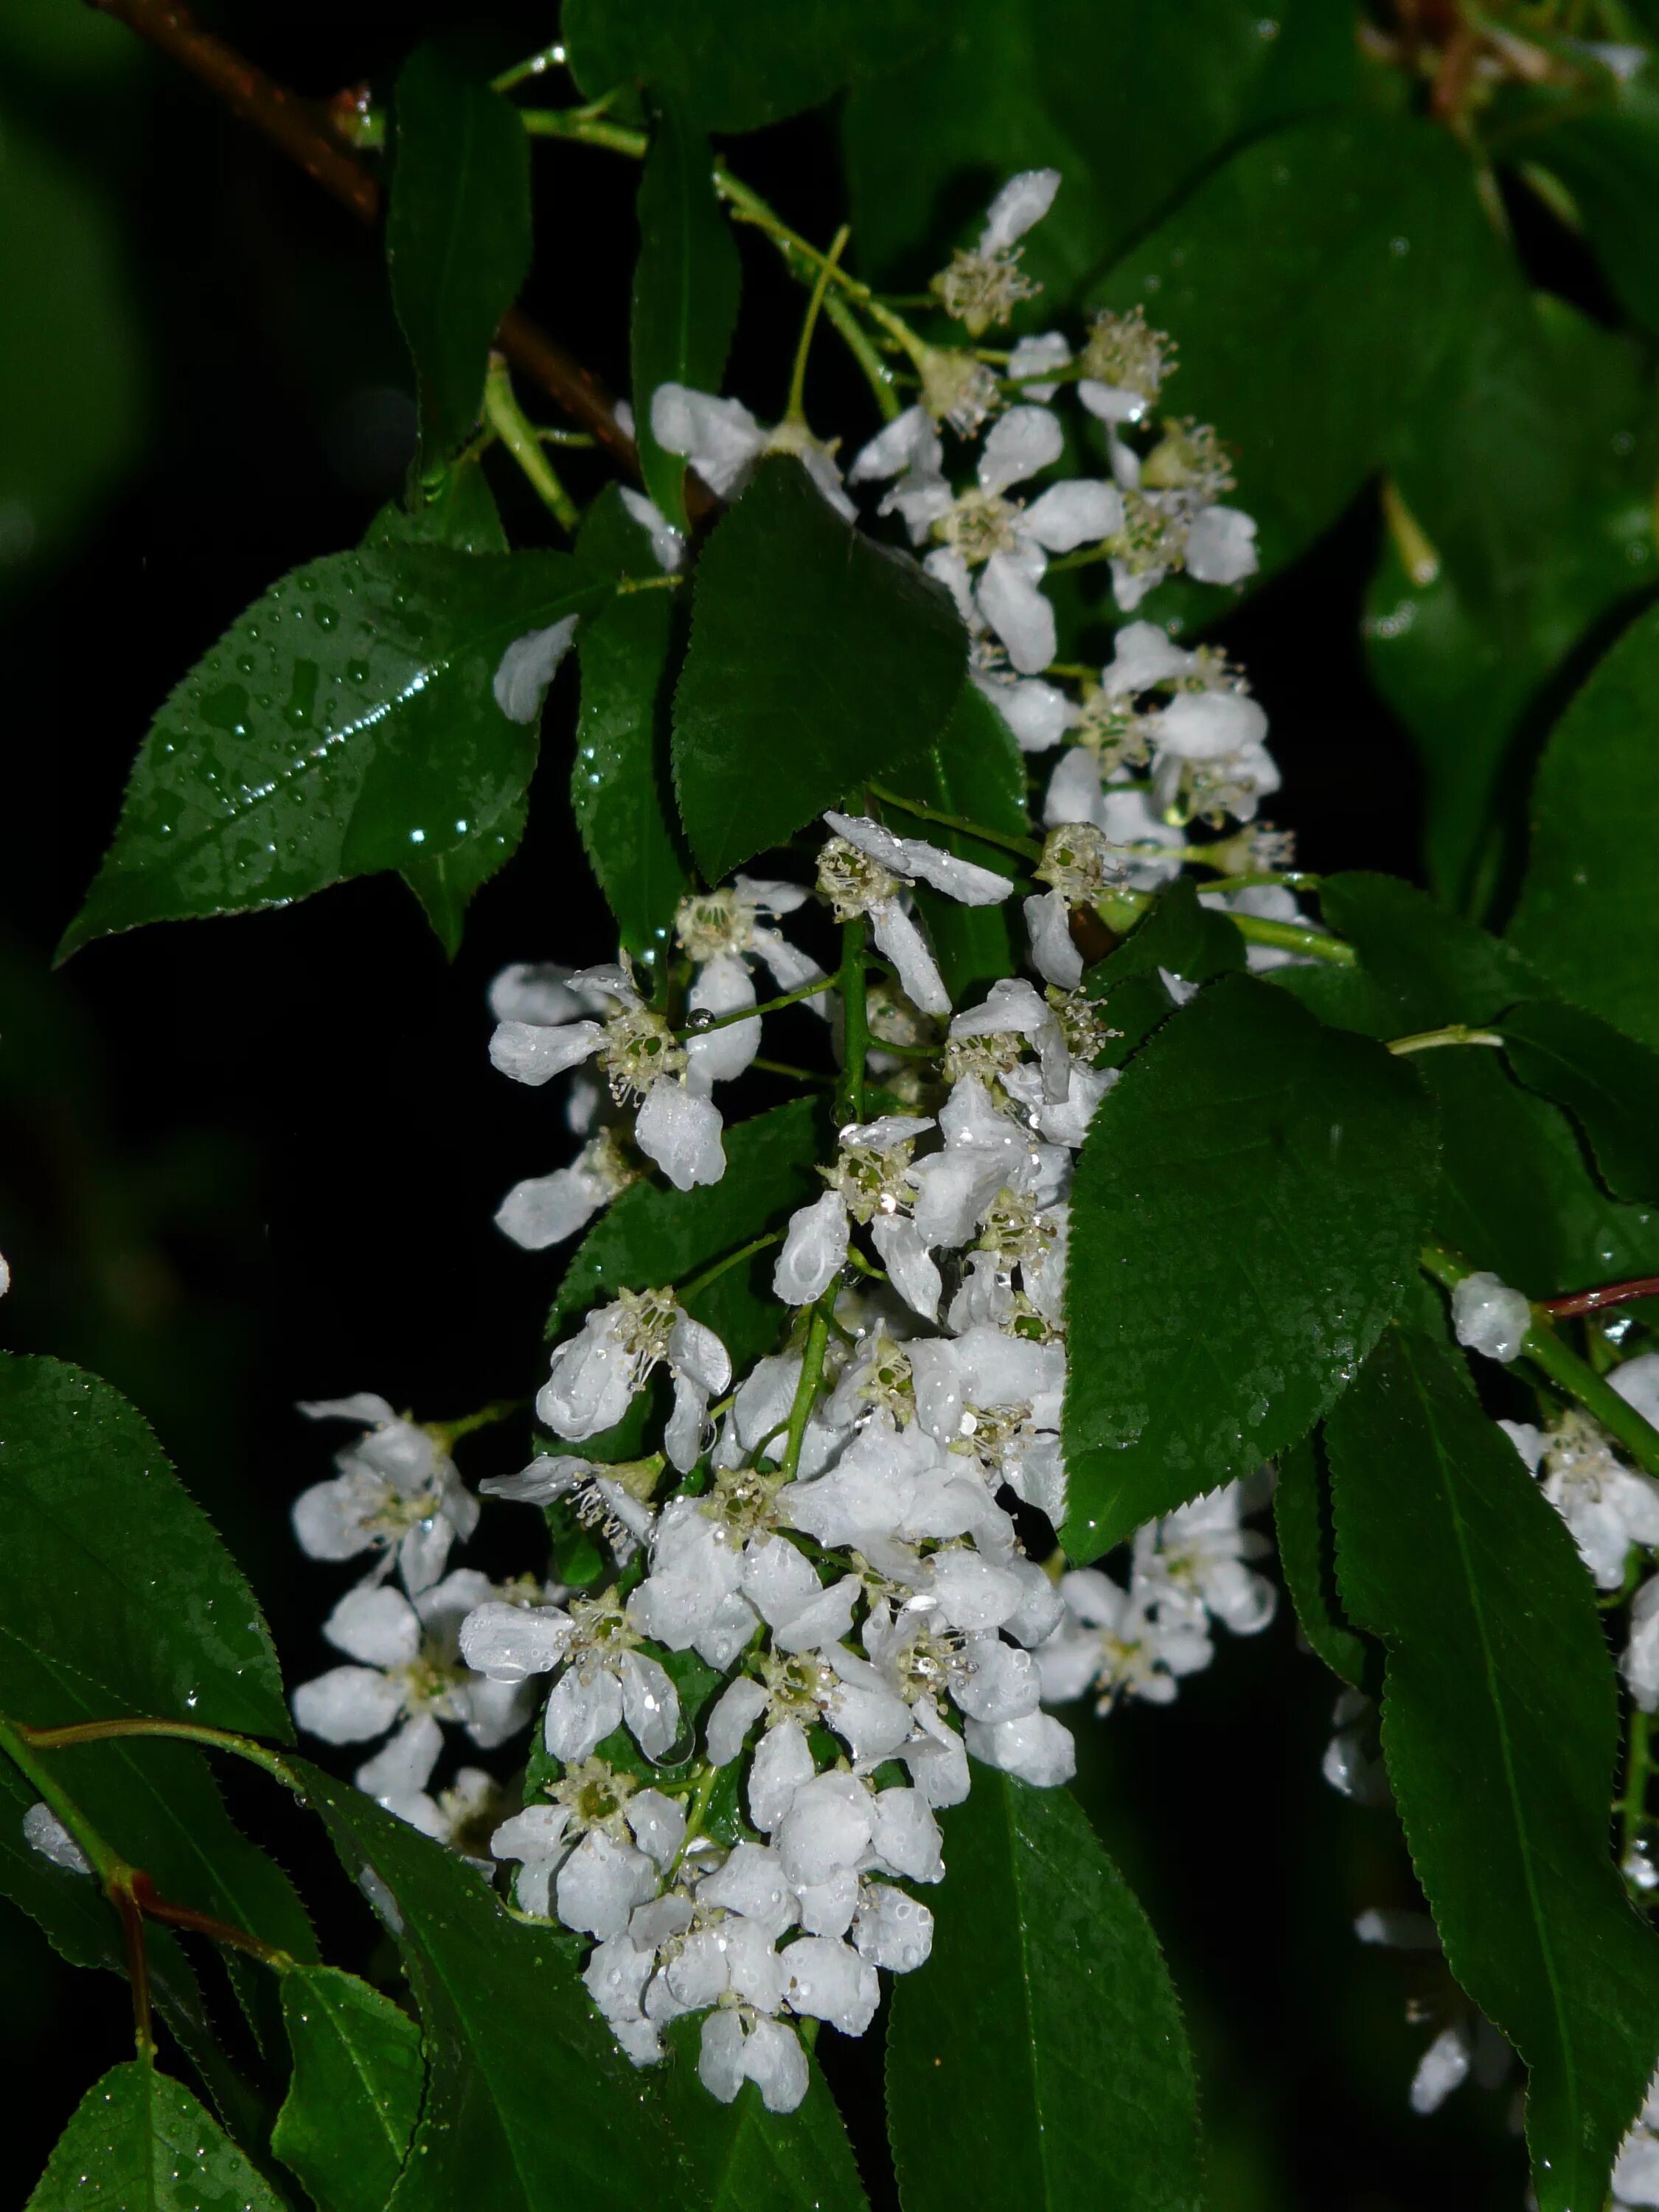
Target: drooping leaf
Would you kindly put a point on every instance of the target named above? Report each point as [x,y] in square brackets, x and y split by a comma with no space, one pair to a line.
[458,240]
[619,780]
[685,291]
[355,2092]
[744,63]
[529,2103]
[745,2159]
[1515,1191]
[653,1236]
[816,658]
[1249,1204]
[974,770]
[1607,1081]
[346,723]
[1499,1724]
[1536,432]
[1038,2060]
[138,2142]
[1129,103]
[117,1598]
[1307,1559]
[1363,230]
[1587,917]
[1608,159]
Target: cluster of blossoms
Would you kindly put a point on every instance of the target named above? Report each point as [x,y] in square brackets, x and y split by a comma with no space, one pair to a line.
[835,1580]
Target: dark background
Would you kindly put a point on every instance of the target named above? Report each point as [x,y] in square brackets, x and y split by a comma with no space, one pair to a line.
[253,1160]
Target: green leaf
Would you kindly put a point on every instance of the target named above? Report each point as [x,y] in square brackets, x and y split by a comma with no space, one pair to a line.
[455,507]
[619,780]
[1307,1559]
[344,724]
[1609,162]
[458,238]
[1514,1193]
[1249,1204]
[1537,432]
[686,292]
[1609,1084]
[355,2093]
[118,1599]
[529,2106]
[1588,916]
[447,884]
[1363,230]
[653,1236]
[138,2142]
[817,658]
[745,2159]
[745,63]
[1499,1723]
[1128,102]
[1038,2061]
[975,770]
[1177,935]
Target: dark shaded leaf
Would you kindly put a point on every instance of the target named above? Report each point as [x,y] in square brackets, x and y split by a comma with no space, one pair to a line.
[1249,1204]
[1608,1082]
[1307,1559]
[619,779]
[1499,1724]
[686,292]
[458,239]
[817,658]
[1587,917]
[1038,2061]
[138,2142]
[355,2093]
[1609,162]
[344,724]
[745,2159]
[458,510]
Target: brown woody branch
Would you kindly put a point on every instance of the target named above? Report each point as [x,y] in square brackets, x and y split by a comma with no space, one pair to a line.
[290,124]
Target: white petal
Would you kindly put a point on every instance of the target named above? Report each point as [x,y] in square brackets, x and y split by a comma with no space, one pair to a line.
[1208,724]
[904,1835]
[782,1763]
[774,2062]
[545,1210]
[722,986]
[601,1882]
[1221,546]
[530,1053]
[651,1706]
[1079,512]
[1637,1383]
[44,1833]
[592,1379]
[720,2056]
[1440,2069]
[905,1256]
[719,437]
[1032,356]
[970,1593]
[893,1931]
[527,667]
[657,1822]
[1037,1749]
[752,1881]
[1111,402]
[684,1432]
[378,1627]
[826,1826]
[1489,1317]
[585,1706]
[403,1766]
[946,566]
[830,1981]
[509,1642]
[366,1406]
[897,936]
[667,544]
[1143,655]
[1054,954]
[965,881]
[909,441]
[814,1251]
[1017,445]
[1018,613]
[998,1682]
[347,1705]
[1023,200]
[825,1621]
[682,1133]
[734,1713]
[616,1976]
[331,1519]
[1038,713]
[826,1907]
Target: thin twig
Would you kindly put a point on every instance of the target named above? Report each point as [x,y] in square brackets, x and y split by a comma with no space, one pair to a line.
[291,124]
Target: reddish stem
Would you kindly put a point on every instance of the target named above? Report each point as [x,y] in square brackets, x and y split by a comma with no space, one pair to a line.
[1610,1294]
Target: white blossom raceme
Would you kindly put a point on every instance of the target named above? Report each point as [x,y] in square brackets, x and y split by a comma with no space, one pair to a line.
[396,1494]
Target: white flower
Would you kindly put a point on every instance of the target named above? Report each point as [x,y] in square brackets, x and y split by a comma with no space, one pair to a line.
[982,285]
[596,1851]
[1037,1750]
[678,1125]
[397,1489]
[994,1400]
[605,1681]
[738,2046]
[528,666]
[1489,1317]
[1640,1664]
[723,442]
[1112,1645]
[1607,1505]
[867,1185]
[409,1676]
[596,1373]
[1443,2067]
[1171,518]
[724,932]
[1192,1562]
[861,872]
[667,543]
[985,1152]
[545,1209]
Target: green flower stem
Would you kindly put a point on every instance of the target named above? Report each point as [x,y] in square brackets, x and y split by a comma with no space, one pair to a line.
[448,1434]
[1632,1807]
[507,420]
[628,585]
[877,374]
[1122,909]
[784,1067]
[1026,848]
[766,1006]
[811,1374]
[587,128]
[796,409]
[855,1023]
[64,1739]
[1563,1367]
[1453,1033]
[17,1742]
[688,1290]
[697,1813]
[536,64]
[1289,880]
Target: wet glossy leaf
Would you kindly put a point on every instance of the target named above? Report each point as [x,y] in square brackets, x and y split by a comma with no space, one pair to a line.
[1249,1204]
[1038,2062]
[458,510]
[355,2093]
[1587,916]
[529,2104]
[746,62]
[345,723]
[1607,1081]
[1128,102]
[974,770]
[1537,433]
[1363,230]
[654,1236]
[685,291]
[1307,1559]
[816,658]
[1500,1725]
[138,2142]
[458,240]
[619,780]
[745,2159]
